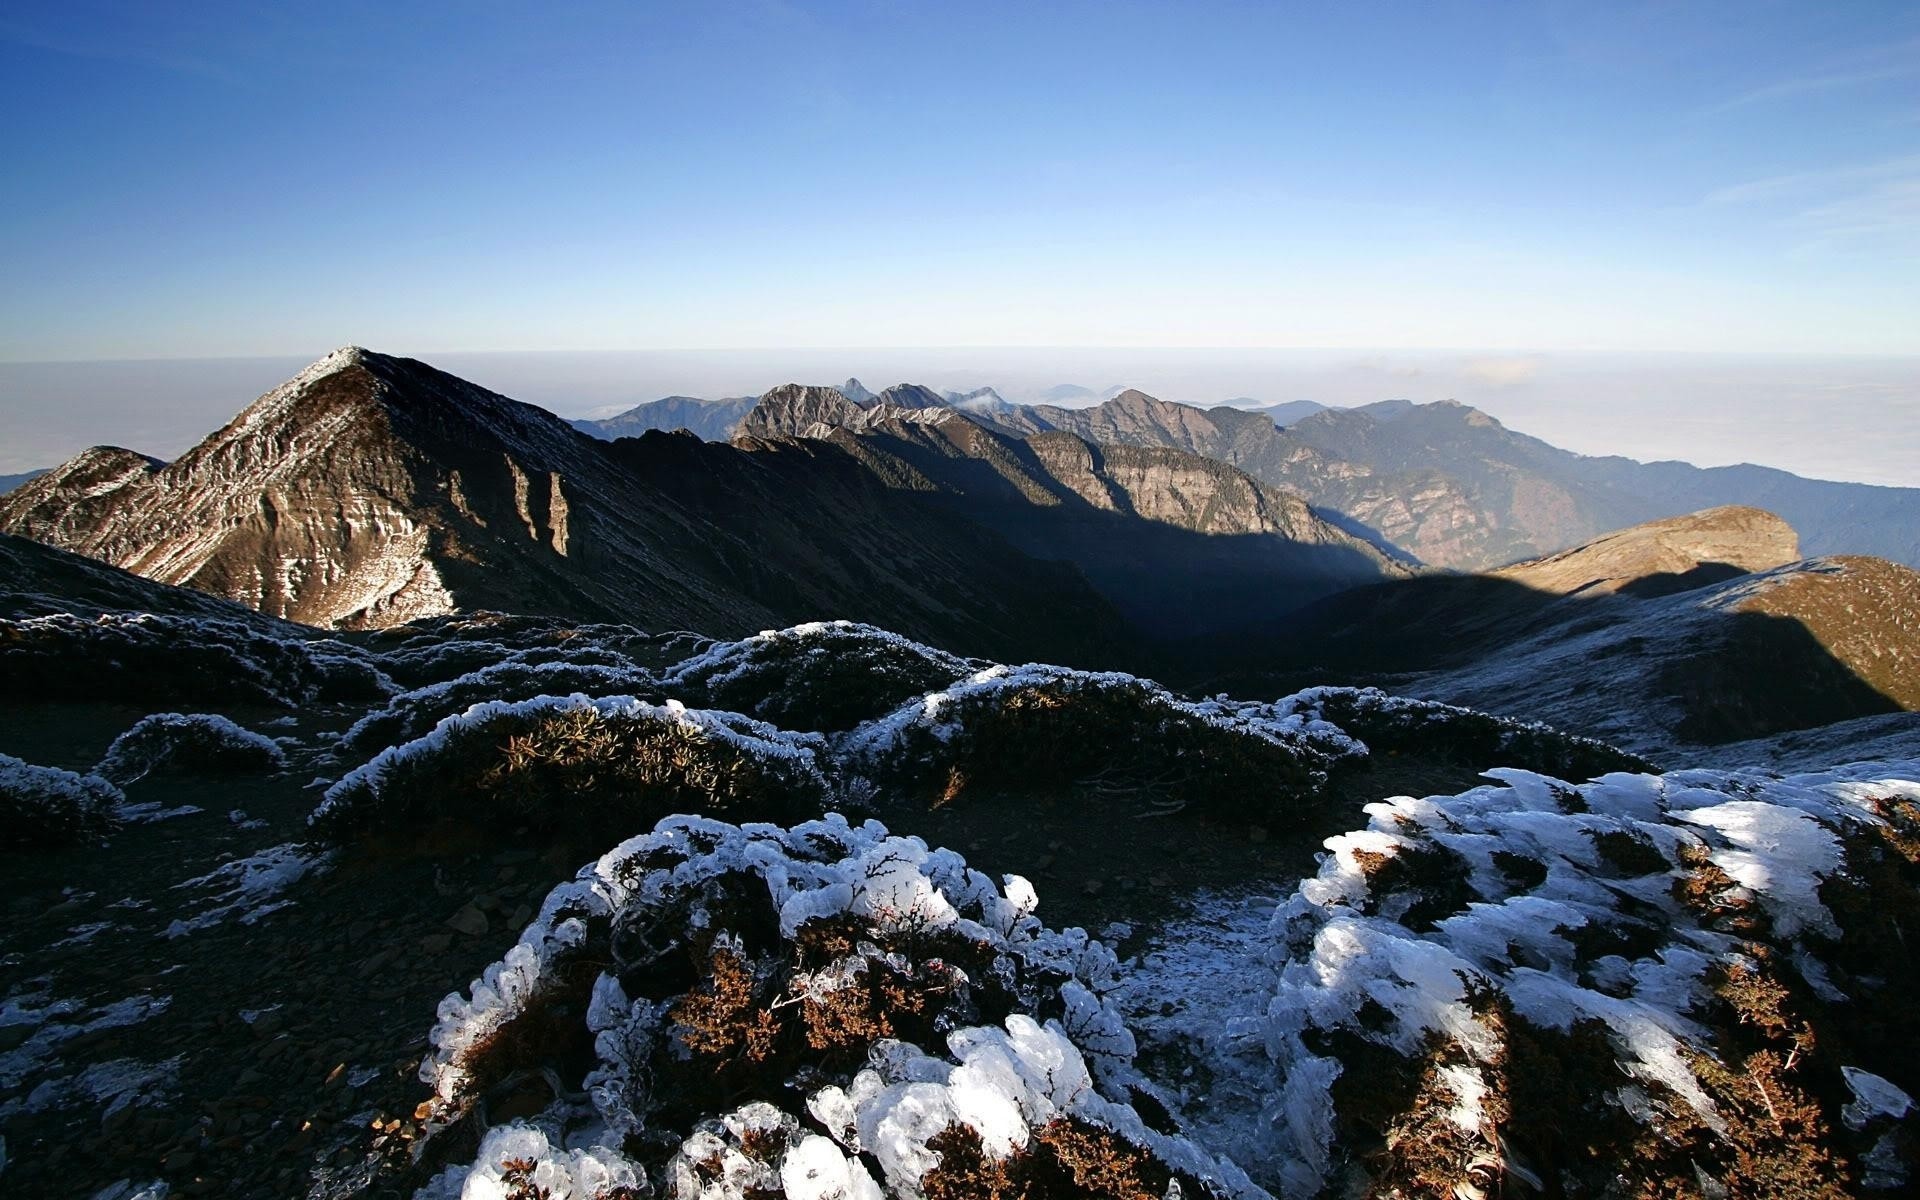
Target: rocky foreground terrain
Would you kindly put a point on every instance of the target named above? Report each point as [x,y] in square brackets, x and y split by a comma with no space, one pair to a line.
[497,906]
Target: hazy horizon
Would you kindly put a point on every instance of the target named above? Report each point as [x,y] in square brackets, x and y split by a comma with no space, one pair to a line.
[1848,418]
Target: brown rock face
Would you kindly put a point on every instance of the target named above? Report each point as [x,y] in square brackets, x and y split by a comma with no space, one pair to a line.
[1665,556]
[369,490]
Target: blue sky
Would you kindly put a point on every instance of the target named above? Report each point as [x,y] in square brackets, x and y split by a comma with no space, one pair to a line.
[204,179]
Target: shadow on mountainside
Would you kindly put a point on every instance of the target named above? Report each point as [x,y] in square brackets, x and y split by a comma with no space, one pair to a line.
[1731,674]
[1166,580]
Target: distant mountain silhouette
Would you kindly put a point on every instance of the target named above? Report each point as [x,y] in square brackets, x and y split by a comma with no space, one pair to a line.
[10,482]
[712,420]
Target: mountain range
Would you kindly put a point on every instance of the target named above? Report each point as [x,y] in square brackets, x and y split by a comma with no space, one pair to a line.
[369,491]
[1443,482]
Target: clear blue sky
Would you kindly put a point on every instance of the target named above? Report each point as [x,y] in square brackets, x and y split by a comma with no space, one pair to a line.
[213,179]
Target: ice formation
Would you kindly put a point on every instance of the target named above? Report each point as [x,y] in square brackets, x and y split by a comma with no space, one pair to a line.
[1653,920]
[250,888]
[902,991]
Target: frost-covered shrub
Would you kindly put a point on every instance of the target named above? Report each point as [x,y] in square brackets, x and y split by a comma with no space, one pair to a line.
[1629,986]
[144,656]
[439,649]
[1398,725]
[188,743]
[47,806]
[1043,728]
[517,677]
[723,1011]
[578,766]
[825,675]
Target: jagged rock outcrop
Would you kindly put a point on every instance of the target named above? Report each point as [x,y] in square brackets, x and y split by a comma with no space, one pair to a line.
[797,410]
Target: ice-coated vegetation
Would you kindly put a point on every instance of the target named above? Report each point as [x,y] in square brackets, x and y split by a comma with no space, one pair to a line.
[1620,984]
[440,649]
[586,766]
[1041,727]
[726,1011]
[1391,724]
[520,675]
[146,656]
[49,806]
[187,743]
[824,676]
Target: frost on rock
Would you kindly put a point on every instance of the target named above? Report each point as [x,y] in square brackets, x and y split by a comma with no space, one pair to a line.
[824,675]
[1639,979]
[826,1010]
[31,1076]
[579,765]
[188,743]
[250,888]
[1398,724]
[148,656]
[49,806]
[1042,727]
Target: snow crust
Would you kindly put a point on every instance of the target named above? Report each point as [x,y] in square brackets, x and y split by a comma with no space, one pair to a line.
[250,888]
[1003,1079]
[1343,942]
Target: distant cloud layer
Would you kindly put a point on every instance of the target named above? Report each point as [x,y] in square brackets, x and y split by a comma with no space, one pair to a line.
[1832,418]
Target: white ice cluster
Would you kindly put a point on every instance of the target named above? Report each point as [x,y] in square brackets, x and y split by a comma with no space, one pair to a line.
[1003,1079]
[1391,959]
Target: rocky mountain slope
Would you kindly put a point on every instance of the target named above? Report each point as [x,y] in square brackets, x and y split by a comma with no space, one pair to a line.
[369,490]
[1683,632]
[713,420]
[1457,489]
[1673,555]
[1179,542]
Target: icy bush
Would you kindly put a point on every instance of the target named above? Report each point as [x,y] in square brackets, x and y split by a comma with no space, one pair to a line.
[520,675]
[1044,728]
[1615,986]
[48,806]
[824,675]
[714,1010]
[439,649]
[188,743]
[144,656]
[1396,724]
[578,766]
